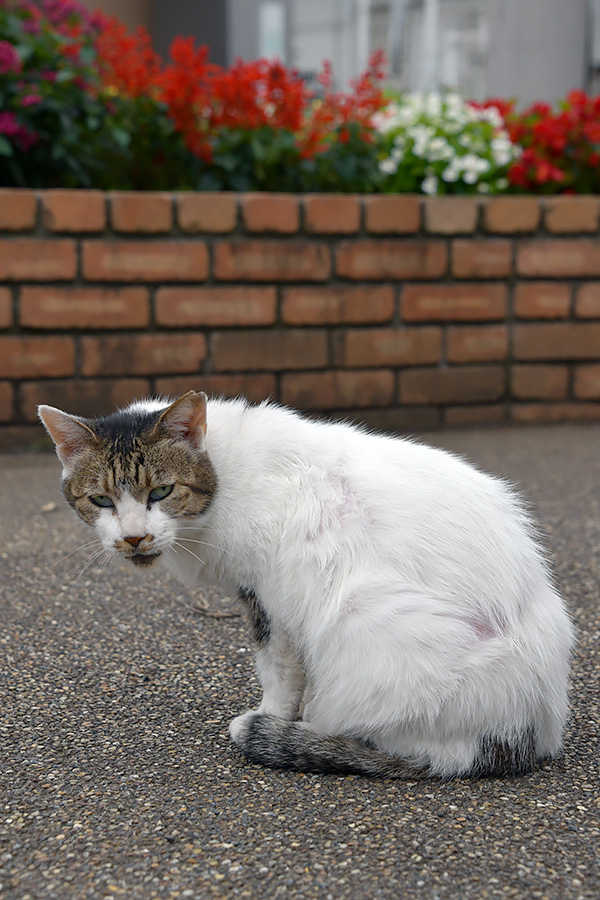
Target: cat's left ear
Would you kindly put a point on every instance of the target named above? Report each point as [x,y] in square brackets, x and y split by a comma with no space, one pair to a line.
[185,419]
[70,434]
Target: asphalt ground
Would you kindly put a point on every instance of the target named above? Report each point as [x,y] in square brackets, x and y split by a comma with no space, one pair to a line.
[117,778]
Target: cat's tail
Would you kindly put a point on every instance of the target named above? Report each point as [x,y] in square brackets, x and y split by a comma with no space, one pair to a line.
[281,744]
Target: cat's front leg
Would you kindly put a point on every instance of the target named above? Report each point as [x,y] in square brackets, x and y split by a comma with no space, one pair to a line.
[278,667]
[282,677]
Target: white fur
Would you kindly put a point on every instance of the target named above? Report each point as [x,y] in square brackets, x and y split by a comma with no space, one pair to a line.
[402,584]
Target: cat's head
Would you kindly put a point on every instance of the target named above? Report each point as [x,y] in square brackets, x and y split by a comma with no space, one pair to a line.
[137,475]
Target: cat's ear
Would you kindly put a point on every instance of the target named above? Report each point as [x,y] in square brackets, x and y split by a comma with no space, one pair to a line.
[69,433]
[185,419]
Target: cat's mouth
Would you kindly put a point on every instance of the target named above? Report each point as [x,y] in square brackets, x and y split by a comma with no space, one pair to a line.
[144,559]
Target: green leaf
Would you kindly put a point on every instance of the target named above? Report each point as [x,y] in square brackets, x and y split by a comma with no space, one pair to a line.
[6,148]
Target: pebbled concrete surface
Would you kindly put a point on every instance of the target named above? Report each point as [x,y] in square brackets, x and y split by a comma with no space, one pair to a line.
[117,778]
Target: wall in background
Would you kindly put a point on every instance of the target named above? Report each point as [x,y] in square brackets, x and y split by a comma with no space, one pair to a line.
[405,312]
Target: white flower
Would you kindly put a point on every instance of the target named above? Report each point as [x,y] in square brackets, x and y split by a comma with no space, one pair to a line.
[483,187]
[388,166]
[475,164]
[429,185]
[450,173]
[465,140]
[432,105]
[502,150]
[502,184]
[439,149]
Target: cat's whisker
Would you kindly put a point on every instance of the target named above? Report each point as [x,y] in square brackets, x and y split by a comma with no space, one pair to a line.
[89,563]
[187,549]
[212,546]
[76,550]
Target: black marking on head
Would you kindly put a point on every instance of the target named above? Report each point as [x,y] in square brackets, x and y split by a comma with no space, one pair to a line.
[124,427]
[261,627]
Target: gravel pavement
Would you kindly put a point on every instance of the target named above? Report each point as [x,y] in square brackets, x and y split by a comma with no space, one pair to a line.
[117,778]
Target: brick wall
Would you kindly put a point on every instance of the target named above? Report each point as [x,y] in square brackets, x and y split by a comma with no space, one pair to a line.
[405,312]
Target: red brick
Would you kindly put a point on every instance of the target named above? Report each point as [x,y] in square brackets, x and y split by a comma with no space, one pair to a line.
[73,210]
[147,260]
[481,259]
[271,261]
[82,397]
[542,300]
[392,215]
[337,390]
[337,305]
[210,306]
[273,349]
[271,212]
[451,215]
[587,301]
[485,343]
[385,259]
[32,357]
[138,211]
[453,302]
[6,316]
[463,384]
[142,354]
[255,387]
[539,382]
[28,259]
[207,212]
[557,340]
[84,307]
[586,384]
[377,347]
[18,209]
[569,215]
[531,413]
[511,215]
[556,258]
[331,214]
[488,414]
[7,402]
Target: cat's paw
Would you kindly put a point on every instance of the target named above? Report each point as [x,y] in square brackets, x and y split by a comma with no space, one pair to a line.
[238,727]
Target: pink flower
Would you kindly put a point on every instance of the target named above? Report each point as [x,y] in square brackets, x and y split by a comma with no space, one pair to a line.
[9,58]
[31,100]
[9,124]
[26,138]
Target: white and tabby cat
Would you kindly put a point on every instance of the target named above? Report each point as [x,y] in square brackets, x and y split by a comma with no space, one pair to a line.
[405,622]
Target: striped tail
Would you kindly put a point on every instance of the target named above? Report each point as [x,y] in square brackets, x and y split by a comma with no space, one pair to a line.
[280,744]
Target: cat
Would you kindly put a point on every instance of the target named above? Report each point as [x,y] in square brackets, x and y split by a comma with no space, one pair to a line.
[404,619]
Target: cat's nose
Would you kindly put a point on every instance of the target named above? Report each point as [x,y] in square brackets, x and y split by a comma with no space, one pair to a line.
[134,541]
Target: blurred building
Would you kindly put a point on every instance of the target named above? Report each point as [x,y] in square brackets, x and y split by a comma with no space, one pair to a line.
[528,49]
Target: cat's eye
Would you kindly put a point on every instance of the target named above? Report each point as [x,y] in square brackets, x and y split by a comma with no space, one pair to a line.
[101,500]
[160,493]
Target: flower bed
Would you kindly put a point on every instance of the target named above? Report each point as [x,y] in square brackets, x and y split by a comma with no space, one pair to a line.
[85,104]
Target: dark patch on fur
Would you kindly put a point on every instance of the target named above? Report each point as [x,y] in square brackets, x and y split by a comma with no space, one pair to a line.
[261,627]
[122,428]
[144,559]
[501,757]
